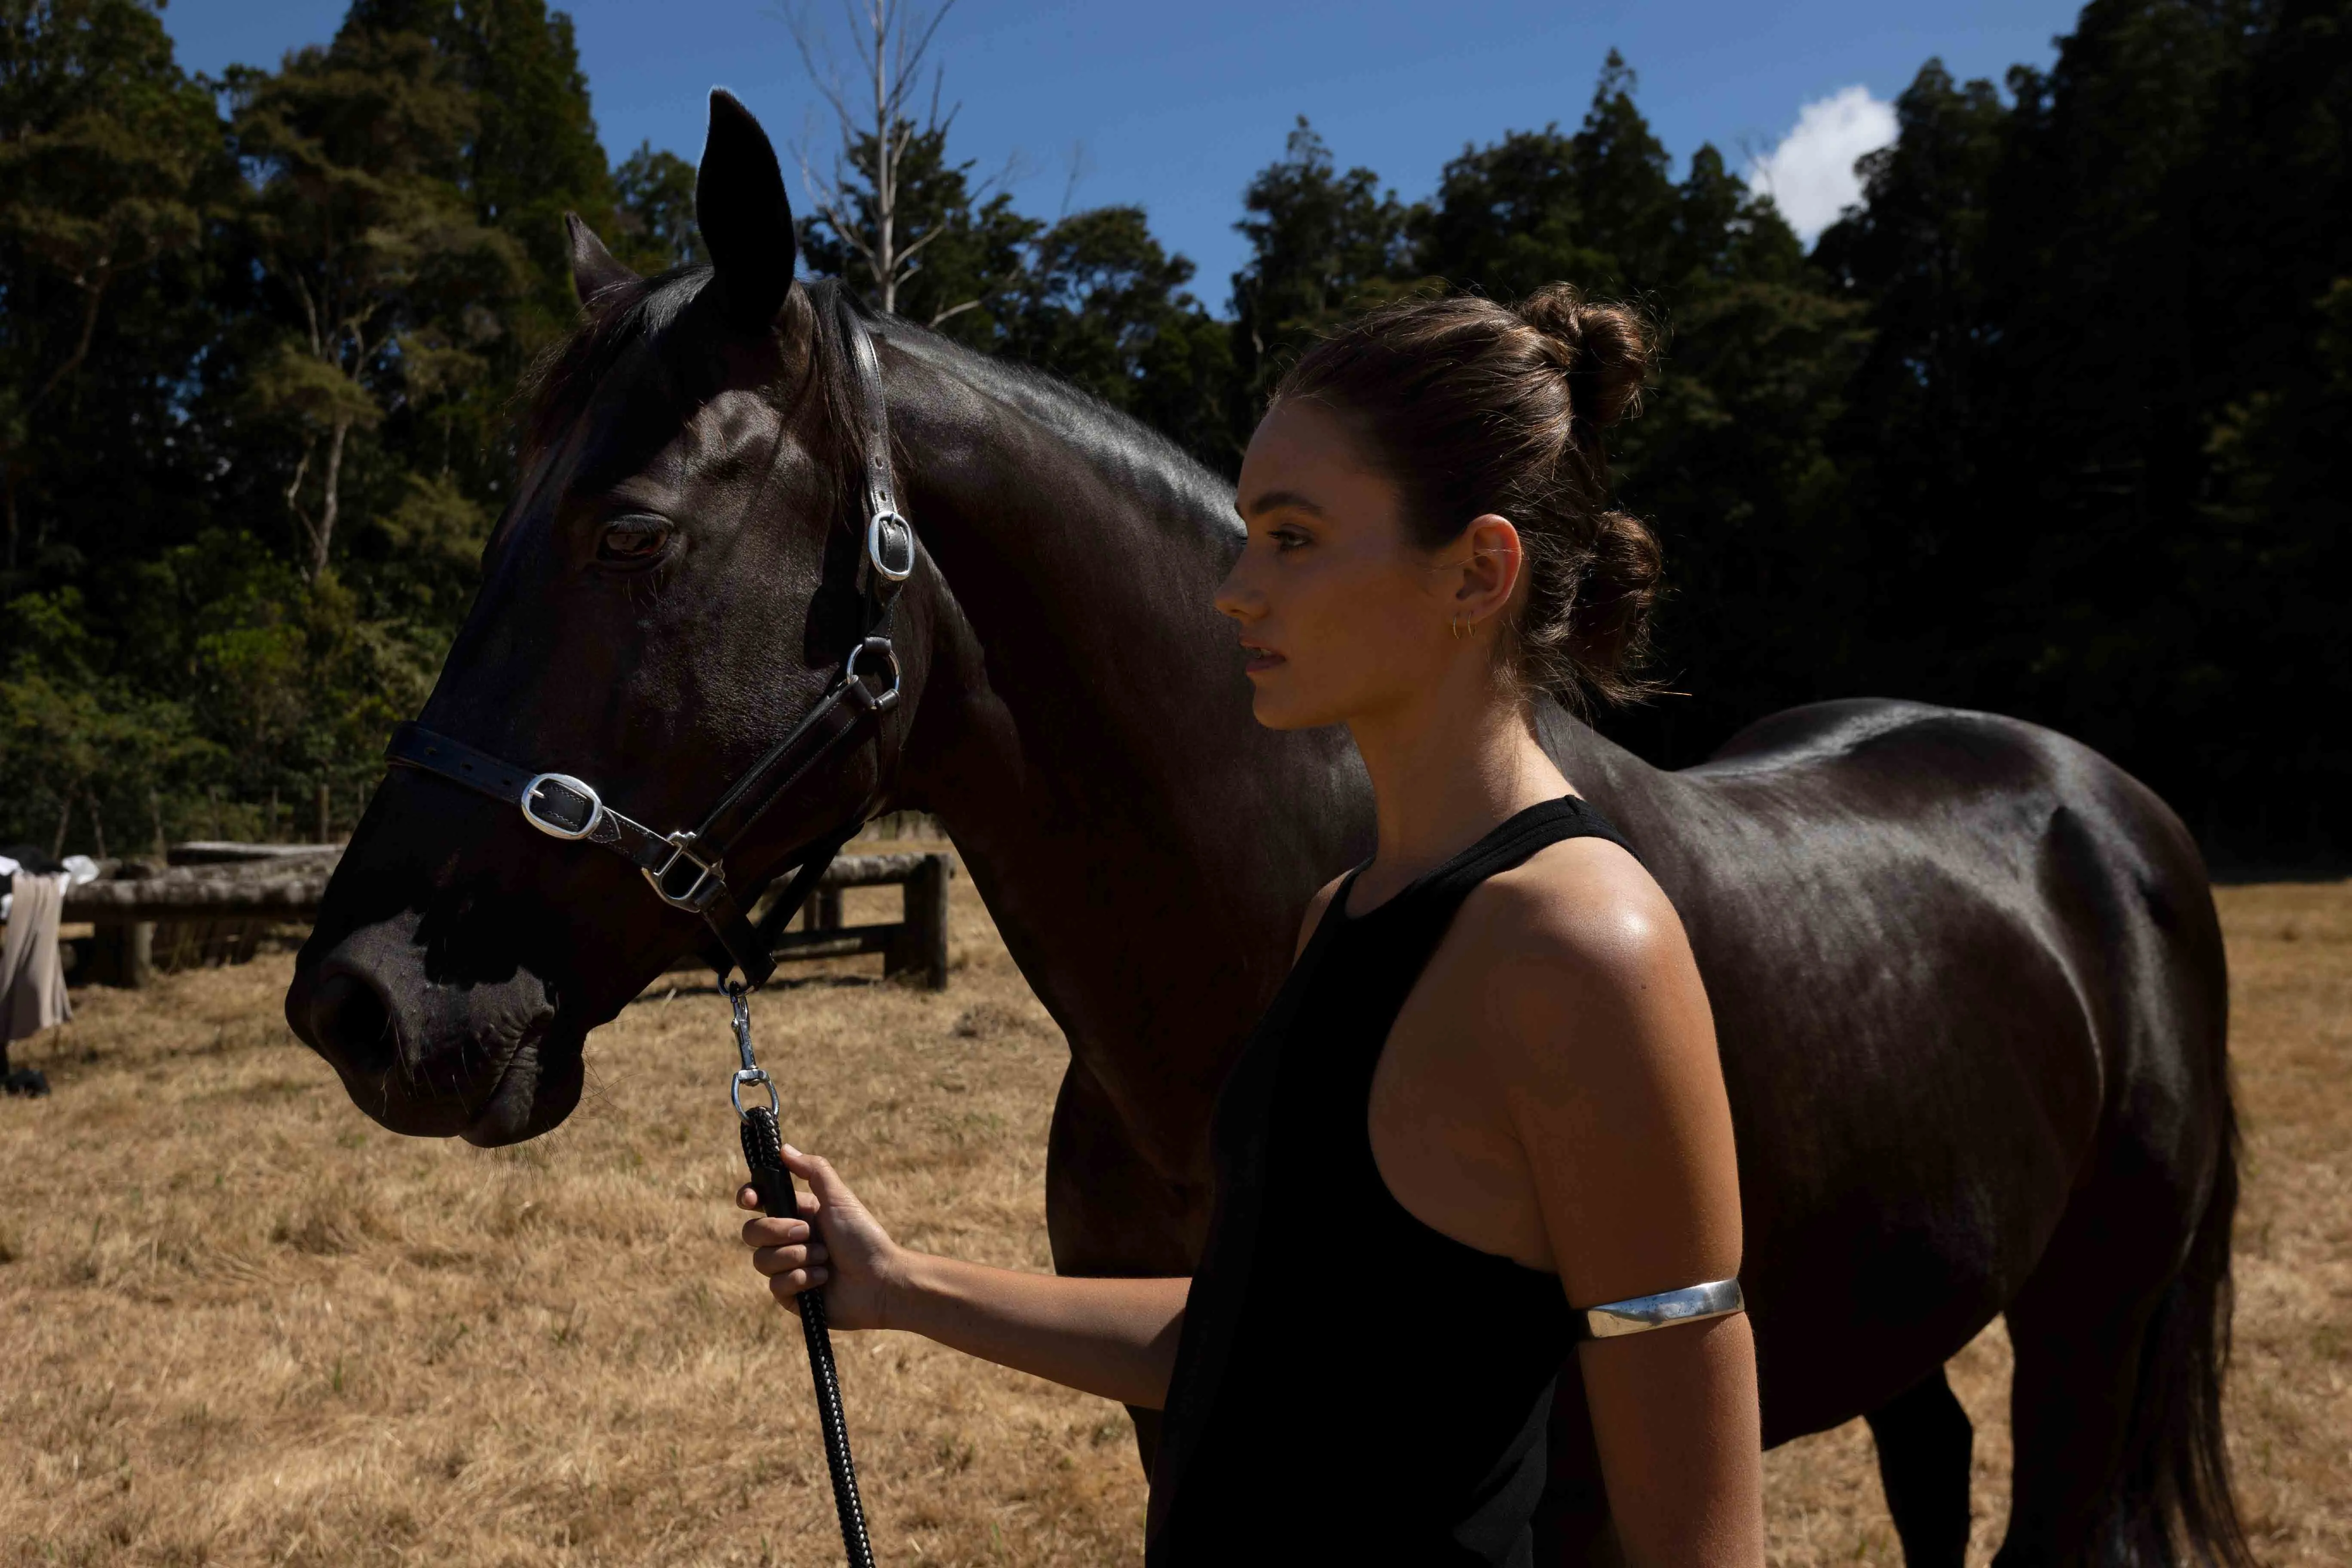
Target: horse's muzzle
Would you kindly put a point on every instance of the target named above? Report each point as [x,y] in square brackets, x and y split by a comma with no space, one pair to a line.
[487,1059]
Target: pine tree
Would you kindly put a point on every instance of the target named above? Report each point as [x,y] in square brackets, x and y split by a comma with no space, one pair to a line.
[1322,244]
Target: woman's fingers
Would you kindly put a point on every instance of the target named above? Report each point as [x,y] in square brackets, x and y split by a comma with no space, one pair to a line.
[748,1198]
[794,1281]
[775,1260]
[775,1231]
[787,1293]
[818,1173]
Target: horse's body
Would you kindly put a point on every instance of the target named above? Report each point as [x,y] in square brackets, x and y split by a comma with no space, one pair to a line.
[1967,976]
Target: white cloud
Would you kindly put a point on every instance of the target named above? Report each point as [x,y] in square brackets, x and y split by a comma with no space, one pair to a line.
[1810,174]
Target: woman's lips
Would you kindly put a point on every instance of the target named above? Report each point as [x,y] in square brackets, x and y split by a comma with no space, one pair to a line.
[1260,658]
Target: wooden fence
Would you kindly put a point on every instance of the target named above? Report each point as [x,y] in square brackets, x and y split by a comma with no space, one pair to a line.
[212,901]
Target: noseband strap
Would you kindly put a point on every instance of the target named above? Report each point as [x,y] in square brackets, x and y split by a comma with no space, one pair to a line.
[687,868]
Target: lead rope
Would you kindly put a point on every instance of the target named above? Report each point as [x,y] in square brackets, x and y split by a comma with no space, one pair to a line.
[763,1154]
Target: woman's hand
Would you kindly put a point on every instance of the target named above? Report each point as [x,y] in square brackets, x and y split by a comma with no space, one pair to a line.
[850,1254]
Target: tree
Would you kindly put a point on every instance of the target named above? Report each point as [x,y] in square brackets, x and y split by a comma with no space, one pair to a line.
[882,202]
[359,222]
[654,228]
[1322,244]
[1100,302]
[107,150]
[971,247]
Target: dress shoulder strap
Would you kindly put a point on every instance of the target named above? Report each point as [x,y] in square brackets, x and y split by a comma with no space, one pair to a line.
[1509,844]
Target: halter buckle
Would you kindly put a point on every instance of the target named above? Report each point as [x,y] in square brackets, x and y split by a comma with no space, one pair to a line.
[890,545]
[558,826]
[709,877]
[880,701]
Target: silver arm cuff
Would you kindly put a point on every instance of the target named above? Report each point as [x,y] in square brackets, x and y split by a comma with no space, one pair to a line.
[1691,1304]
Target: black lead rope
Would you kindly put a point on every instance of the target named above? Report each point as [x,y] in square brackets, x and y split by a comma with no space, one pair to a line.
[764,1154]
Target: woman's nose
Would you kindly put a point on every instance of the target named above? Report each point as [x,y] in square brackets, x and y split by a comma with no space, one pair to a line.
[1236,595]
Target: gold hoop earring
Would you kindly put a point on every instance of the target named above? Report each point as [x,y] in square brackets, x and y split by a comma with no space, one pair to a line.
[1455,623]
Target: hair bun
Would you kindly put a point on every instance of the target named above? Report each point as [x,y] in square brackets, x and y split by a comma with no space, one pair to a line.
[1607,352]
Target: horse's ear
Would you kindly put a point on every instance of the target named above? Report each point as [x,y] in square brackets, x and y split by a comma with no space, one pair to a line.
[746,221]
[593,270]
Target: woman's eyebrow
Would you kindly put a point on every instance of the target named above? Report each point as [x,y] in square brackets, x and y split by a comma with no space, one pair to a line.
[1274,501]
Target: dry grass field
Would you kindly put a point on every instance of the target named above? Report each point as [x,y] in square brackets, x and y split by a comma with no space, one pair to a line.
[242,1324]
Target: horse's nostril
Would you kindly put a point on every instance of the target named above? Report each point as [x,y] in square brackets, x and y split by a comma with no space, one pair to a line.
[348,1017]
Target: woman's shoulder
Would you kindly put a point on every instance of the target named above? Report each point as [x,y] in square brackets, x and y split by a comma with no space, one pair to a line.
[1585,903]
[1576,947]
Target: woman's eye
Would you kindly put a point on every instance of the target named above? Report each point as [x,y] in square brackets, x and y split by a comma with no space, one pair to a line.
[1286,539]
[632,540]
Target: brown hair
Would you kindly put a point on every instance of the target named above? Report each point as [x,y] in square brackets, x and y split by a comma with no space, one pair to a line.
[1471,407]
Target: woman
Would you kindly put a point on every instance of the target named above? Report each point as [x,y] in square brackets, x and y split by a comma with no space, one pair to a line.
[1489,1093]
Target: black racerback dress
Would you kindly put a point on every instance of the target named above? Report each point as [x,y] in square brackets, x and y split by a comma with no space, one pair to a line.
[1352,1385]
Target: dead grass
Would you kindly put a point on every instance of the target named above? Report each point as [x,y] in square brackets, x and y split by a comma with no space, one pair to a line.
[245,1325]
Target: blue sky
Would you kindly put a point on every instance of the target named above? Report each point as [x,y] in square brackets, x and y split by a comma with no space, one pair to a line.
[1175,106]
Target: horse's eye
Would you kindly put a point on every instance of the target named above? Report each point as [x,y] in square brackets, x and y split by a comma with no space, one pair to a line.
[632,540]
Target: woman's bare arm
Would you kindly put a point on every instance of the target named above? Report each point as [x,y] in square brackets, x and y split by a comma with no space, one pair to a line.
[1603,1048]
[1116,1338]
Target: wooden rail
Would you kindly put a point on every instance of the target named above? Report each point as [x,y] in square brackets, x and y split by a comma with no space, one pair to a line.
[273,883]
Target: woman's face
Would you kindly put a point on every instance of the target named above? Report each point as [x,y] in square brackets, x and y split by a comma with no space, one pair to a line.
[1342,616]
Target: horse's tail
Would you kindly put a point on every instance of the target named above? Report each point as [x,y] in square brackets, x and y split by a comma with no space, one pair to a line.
[2174,1502]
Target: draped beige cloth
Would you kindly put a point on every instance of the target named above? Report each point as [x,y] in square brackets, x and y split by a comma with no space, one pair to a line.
[32,971]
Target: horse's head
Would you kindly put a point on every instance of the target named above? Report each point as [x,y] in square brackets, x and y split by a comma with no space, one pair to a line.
[675,582]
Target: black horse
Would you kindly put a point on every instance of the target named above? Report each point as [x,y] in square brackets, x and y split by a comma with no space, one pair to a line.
[1967,973]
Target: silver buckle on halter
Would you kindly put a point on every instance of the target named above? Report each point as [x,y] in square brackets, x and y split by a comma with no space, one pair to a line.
[552,827]
[899,535]
[708,876]
[880,701]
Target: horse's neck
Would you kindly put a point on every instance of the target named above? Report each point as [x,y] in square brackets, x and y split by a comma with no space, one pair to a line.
[1085,733]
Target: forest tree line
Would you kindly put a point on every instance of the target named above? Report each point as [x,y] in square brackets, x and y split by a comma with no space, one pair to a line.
[2056,421]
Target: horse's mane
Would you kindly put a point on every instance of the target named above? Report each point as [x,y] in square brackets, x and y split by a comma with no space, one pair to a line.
[646,355]
[1112,439]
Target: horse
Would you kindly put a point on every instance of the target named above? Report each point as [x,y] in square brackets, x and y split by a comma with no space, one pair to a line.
[1967,974]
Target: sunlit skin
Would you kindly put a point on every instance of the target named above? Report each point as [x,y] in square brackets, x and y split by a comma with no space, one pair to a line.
[1550,1090]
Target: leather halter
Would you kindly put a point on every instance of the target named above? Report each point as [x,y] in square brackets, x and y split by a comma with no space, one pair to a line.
[687,868]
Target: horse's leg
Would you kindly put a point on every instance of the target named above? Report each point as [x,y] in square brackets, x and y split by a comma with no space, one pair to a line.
[1925,1443]
[2116,1408]
[2070,1415]
[1108,1213]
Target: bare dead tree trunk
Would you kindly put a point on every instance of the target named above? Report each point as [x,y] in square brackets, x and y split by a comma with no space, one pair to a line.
[324,534]
[893,39]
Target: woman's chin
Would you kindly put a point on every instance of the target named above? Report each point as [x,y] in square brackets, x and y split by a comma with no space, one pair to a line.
[1277,710]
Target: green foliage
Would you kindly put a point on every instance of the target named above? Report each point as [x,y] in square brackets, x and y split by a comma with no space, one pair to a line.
[653,226]
[2053,423]
[1322,244]
[2101,428]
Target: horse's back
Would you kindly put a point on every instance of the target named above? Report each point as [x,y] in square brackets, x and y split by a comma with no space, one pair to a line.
[1941,947]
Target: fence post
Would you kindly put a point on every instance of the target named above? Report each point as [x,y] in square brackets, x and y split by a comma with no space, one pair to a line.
[920,946]
[122,952]
[326,802]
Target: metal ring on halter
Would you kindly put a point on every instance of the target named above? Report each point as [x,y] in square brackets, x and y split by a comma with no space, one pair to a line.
[709,879]
[892,522]
[759,1076]
[549,826]
[881,702]
[1639,1314]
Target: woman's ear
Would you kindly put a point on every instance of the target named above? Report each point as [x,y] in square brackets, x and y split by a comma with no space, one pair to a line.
[1492,562]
